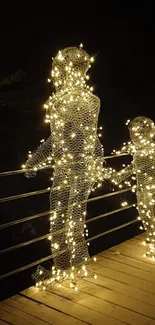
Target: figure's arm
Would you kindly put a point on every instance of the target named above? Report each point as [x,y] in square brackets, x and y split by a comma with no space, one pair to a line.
[39,156]
[123,174]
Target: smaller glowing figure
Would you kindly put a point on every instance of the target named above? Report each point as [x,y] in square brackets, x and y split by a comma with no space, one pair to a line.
[142,133]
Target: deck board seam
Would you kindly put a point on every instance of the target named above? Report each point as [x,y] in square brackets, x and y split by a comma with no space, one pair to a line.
[27,313]
[77,303]
[124,282]
[8,312]
[135,258]
[119,282]
[48,306]
[133,311]
[135,267]
[120,293]
[138,277]
[6,322]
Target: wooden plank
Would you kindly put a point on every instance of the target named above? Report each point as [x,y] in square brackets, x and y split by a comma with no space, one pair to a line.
[3,323]
[134,251]
[136,242]
[126,289]
[94,297]
[124,278]
[13,307]
[43,312]
[10,318]
[127,260]
[131,304]
[125,268]
[73,309]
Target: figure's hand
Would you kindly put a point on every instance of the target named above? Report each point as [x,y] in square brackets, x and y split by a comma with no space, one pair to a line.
[109,174]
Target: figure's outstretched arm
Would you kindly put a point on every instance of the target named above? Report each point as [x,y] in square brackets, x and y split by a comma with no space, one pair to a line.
[123,174]
[39,156]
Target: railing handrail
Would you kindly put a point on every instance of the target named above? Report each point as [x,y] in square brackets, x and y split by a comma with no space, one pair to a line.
[22,171]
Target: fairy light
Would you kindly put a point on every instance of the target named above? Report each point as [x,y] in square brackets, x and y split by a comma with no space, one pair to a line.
[76,154]
[124,203]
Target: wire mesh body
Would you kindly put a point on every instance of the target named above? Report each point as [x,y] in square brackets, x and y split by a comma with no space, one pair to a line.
[77,153]
[142,132]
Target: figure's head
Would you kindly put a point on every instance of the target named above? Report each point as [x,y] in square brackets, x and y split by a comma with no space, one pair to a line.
[142,131]
[70,63]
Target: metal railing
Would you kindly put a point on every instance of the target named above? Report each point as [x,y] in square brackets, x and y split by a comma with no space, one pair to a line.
[42,214]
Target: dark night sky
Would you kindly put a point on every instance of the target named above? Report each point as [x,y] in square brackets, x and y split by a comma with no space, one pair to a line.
[122,39]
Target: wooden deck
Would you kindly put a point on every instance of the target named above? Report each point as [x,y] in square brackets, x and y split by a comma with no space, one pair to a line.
[124,293]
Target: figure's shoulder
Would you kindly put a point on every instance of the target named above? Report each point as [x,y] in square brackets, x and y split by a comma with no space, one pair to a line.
[74,96]
[96,99]
[88,97]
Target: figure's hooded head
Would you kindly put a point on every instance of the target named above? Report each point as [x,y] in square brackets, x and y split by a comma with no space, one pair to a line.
[70,65]
[142,131]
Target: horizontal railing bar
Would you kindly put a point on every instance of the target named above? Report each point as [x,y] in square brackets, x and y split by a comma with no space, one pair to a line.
[12,223]
[32,241]
[20,196]
[23,244]
[109,213]
[15,222]
[39,215]
[25,267]
[113,229]
[96,198]
[22,171]
[38,192]
[116,156]
[47,258]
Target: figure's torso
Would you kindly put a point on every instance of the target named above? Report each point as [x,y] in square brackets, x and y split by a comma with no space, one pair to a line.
[144,165]
[74,119]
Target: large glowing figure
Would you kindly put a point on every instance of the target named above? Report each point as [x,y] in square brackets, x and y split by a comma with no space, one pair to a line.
[142,133]
[72,112]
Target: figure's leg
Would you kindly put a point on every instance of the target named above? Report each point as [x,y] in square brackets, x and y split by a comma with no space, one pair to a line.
[58,206]
[151,225]
[79,250]
[142,209]
[147,213]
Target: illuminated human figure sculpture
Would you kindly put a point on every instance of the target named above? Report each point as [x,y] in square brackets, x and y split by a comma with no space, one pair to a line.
[72,112]
[142,133]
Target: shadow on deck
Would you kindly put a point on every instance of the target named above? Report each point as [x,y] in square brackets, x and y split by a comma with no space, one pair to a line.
[123,293]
